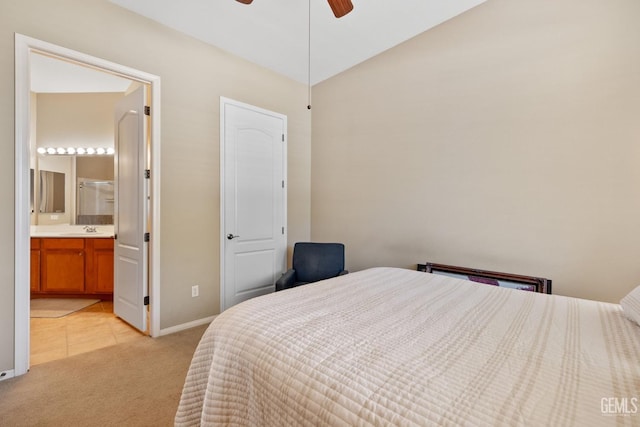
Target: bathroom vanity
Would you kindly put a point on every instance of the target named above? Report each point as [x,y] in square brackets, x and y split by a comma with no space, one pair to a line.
[72,265]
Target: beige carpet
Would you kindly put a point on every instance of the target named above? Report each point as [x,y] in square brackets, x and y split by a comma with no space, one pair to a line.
[58,307]
[130,384]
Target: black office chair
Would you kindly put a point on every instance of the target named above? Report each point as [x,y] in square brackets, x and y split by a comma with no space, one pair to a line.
[313,262]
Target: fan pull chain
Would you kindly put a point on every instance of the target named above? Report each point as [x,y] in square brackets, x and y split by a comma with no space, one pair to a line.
[309,63]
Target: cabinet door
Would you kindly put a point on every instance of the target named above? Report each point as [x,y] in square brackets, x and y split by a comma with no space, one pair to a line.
[35,265]
[62,265]
[103,265]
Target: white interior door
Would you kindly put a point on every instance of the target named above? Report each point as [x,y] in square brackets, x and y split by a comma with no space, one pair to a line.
[131,196]
[253,201]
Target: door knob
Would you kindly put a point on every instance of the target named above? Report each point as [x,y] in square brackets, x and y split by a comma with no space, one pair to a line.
[231,236]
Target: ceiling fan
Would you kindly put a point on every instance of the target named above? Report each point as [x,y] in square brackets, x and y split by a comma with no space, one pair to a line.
[339,7]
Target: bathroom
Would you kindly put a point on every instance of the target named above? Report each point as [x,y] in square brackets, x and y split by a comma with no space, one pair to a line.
[72,206]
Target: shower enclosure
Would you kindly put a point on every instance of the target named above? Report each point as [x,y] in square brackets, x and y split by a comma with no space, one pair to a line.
[95,201]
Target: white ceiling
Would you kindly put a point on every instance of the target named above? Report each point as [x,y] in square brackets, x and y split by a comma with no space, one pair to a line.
[274,33]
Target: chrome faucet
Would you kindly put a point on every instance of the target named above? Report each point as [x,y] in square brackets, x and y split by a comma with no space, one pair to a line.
[90,229]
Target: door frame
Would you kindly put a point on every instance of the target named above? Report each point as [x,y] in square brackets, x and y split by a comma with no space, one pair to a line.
[24,45]
[227,101]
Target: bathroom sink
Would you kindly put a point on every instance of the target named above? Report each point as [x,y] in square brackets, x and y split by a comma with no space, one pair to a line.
[84,234]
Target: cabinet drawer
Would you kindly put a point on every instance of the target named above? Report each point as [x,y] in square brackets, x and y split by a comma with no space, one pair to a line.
[103,243]
[63,243]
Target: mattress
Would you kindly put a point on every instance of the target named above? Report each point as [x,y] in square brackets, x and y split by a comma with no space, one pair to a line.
[389,346]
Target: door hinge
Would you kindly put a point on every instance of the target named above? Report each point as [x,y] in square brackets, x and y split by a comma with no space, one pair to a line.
[146,237]
[146,300]
[283,137]
[147,173]
[283,183]
[147,110]
[282,230]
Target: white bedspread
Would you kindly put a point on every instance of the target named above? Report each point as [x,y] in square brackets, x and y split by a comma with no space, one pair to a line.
[397,347]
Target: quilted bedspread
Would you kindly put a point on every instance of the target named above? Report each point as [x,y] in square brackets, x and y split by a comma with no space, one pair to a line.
[387,347]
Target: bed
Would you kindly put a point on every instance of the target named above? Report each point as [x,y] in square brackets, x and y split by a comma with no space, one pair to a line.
[390,346]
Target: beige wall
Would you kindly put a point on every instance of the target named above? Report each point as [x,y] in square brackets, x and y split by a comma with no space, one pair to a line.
[507,138]
[73,120]
[194,76]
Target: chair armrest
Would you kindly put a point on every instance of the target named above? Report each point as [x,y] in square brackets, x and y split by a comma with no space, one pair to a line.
[343,272]
[286,281]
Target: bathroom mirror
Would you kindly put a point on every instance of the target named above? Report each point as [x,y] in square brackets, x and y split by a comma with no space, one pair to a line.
[82,202]
[31,189]
[52,188]
[95,201]
[94,190]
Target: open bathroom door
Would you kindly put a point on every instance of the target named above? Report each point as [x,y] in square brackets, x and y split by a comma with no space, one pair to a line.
[130,294]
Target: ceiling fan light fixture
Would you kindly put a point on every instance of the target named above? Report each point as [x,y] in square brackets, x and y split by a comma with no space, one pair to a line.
[244,1]
[340,7]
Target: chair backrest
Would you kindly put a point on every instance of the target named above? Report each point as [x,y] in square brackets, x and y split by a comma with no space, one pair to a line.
[317,261]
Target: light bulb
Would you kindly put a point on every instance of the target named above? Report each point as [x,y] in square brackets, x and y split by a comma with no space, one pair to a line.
[61,150]
[71,150]
[42,150]
[80,150]
[90,150]
[110,150]
[51,150]
[101,150]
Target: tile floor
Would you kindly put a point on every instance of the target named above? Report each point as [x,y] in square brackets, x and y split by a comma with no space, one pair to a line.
[86,330]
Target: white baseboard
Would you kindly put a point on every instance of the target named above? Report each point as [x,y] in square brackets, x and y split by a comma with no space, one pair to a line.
[5,375]
[188,325]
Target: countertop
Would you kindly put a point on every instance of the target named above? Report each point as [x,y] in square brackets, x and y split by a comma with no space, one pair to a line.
[72,231]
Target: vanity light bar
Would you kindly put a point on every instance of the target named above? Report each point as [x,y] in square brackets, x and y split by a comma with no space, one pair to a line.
[71,150]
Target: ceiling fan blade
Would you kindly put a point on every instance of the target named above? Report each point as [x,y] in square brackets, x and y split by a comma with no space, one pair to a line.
[340,7]
[245,1]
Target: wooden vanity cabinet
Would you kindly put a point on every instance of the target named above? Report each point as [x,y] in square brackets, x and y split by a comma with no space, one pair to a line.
[74,267]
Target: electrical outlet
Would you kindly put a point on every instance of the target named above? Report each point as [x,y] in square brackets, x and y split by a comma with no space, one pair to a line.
[195,291]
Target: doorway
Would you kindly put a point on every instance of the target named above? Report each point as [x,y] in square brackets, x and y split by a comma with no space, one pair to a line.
[25,47]
[72,139]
